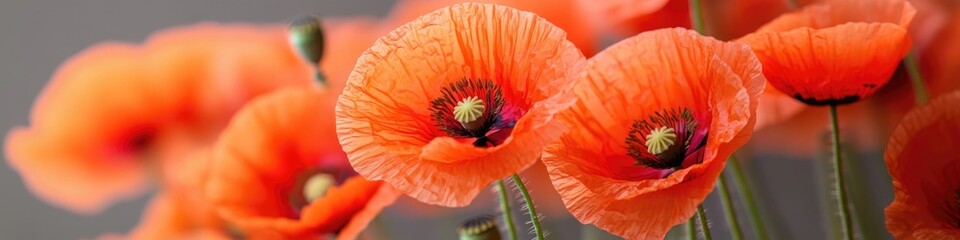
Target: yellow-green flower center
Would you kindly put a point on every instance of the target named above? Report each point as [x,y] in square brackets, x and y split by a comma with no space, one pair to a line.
[317,186]
[468,112]
[660,139]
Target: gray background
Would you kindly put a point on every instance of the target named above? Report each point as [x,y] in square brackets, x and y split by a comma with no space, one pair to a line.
[36,36]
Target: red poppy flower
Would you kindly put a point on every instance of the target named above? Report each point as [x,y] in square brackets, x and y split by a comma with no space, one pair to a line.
[838,52]
[456,99]
[113,109]
[659,113]
[921,158]
[278,171]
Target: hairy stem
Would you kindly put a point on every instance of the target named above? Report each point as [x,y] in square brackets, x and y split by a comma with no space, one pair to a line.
[838,177]
[729,212]
[531,210]
[704,226]
[505,208]
[746,195]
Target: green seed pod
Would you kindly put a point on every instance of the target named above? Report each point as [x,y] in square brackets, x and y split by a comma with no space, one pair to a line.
[483,227]
[306,35]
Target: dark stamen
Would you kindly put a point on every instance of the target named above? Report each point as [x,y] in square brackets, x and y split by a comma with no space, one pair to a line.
[682,127]
[491,119]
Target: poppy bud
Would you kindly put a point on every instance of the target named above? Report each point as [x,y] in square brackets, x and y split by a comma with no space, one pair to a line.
[483,227]
[306,36]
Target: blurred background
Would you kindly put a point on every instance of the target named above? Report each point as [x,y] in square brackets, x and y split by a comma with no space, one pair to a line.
[37,36]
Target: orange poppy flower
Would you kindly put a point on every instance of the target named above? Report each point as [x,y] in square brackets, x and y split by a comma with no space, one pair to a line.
[112,109]
[278,171]
[458,98]
[838,51]
[921,158]
[566,14]
[659,113]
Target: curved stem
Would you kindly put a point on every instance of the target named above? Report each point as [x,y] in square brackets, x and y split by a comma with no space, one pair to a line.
[704,226]
[505,207]
[691,229]
[916,77]
[534,218]
[729,212]
[746,195]
[838,177]
[695,17]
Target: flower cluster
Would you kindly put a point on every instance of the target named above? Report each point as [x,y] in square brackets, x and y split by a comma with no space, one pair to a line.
[311,130]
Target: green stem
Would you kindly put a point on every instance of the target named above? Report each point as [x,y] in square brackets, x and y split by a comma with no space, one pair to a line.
[534,218]
[728,210]
[505,207]
[695,17]
[916,77]
[838,177]
[691,229]
[704,226]
[746,195]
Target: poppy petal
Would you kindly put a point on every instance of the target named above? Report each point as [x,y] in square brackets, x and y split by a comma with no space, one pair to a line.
[921,158]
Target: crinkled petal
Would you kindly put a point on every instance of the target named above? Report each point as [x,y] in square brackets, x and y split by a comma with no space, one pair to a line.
[921,158]
[383,116]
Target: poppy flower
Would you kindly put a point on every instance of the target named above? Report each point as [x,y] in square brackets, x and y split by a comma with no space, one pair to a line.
[835,52]
[659,113]
[456,99]
[921,158]
[278,171]
[566,14]
[115,109]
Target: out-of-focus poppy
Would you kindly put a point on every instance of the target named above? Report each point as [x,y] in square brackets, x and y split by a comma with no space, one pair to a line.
[116,108]
[629,17]
[345,40]
[658,115]
[922,160]
[941,62]
[167,218]
[835,52]
[179,211]
[456,99]
[278,171]
[565,14]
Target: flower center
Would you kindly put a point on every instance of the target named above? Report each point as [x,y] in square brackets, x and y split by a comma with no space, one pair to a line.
[660,139]
[317,186]
[474,109]
[468,112]
[665,139]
